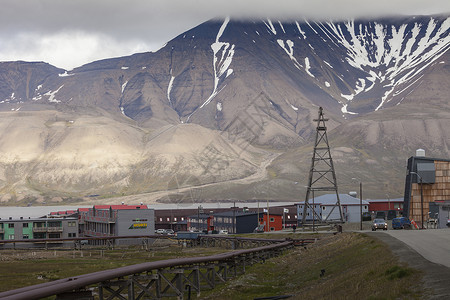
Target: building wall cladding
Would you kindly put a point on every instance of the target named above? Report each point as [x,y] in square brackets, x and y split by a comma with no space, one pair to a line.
[432,192]
[237,223]
[39,228]
[275,222]
[118,222]
[134,223]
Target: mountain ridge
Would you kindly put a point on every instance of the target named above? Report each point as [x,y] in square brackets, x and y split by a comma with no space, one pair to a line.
[255,86]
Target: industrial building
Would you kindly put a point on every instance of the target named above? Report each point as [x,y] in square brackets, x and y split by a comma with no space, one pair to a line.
[386,208]
[117,220]
[427,184]
[351,208]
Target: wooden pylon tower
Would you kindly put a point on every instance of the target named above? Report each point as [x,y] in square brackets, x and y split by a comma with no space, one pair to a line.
[322,177]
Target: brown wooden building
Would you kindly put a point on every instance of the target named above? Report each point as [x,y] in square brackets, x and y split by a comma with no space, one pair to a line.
[427,180]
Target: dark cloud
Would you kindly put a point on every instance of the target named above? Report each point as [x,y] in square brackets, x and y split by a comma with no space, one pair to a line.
[111,27]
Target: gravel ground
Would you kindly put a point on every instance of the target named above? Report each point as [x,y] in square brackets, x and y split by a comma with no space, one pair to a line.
[436,277]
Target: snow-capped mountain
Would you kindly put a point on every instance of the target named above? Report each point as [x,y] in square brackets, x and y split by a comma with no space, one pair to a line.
[251,84]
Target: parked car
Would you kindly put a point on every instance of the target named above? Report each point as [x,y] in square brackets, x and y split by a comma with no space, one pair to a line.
[379,224]
[223,231]
[165,231]
[401,223]
[169,232]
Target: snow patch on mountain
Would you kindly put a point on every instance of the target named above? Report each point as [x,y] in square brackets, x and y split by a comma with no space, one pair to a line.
[301,31]
[270,26]
[169,88]
[124,85]
[390,56]
[220,66]
[52,95]
[308,67]
[65,74]
[288,47]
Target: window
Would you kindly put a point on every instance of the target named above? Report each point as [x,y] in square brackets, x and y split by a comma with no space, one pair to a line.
[11,236]
[288,217]
[168,219]
[72,224]
[323,207]
[182,218]
[272,220]
[272,228]
[26,236]
[72,234]
[160,219]
[40,235]
[11,225]
[175,219]
[25,225]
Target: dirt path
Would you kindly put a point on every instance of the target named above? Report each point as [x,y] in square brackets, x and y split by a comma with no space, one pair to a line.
[151,198]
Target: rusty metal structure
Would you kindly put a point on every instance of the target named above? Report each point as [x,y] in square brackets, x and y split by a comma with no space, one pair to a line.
[165,278]
[322,176]
[79,242]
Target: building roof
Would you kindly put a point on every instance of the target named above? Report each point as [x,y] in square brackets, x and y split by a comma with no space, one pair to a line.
[330,199]
[385,200]
[429,158]
[43,219]
[120,207]
[237,213]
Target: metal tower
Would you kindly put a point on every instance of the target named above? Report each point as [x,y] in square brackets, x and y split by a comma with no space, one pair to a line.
[322,176]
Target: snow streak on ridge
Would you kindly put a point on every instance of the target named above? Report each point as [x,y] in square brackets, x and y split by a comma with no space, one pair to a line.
[220,66]
[388,57]
[391,56]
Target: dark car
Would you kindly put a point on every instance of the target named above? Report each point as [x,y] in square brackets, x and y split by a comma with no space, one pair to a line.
[366,216]
[401,223]
[379,224]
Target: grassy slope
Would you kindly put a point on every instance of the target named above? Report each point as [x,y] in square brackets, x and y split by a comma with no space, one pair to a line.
[356,267]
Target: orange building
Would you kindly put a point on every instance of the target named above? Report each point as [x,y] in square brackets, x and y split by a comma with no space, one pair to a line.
[427,181]
[276,222]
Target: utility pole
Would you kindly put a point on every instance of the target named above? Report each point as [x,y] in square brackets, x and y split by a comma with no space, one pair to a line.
[360,205]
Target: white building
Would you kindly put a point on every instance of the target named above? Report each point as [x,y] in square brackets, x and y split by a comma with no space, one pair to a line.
[325,203]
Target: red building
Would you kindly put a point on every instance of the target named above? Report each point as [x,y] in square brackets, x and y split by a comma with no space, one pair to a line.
[276,222]
[385,204]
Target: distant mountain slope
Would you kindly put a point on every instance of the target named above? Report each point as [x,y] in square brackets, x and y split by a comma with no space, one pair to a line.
[110,127]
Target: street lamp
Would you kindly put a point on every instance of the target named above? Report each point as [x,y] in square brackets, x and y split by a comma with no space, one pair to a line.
[360,203]
[421,197]
[199,211]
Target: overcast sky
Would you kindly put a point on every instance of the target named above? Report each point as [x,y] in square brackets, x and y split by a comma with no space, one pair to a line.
[70,33]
